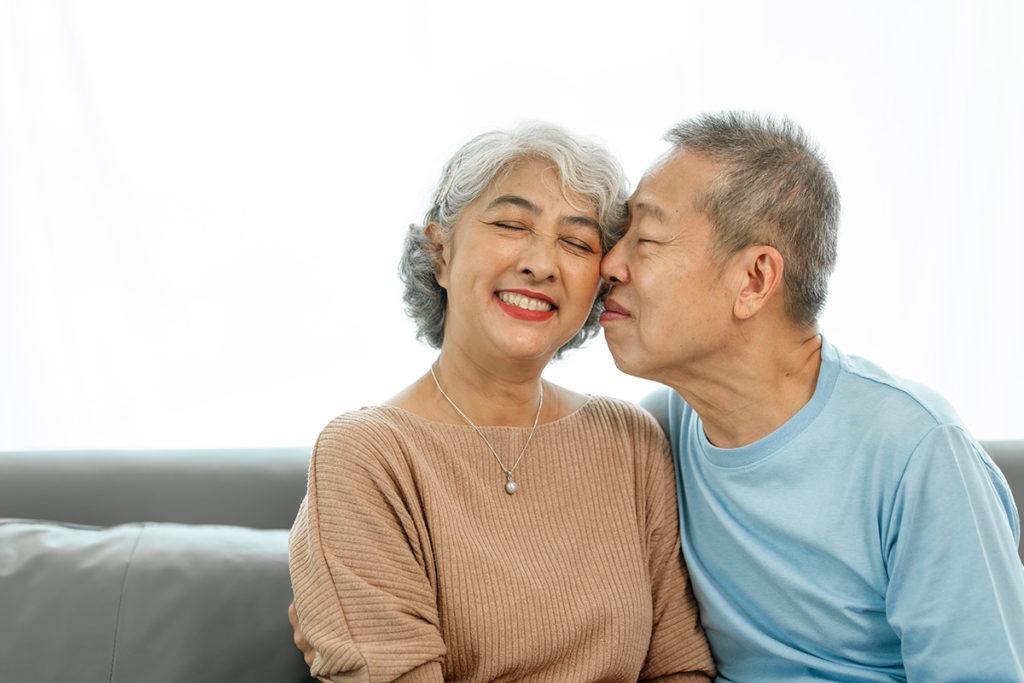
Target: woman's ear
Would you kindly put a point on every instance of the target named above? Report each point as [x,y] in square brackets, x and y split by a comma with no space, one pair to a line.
[761,279]
[439,250]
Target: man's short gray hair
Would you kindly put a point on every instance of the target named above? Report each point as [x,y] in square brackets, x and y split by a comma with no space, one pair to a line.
[774,188]
[587,172]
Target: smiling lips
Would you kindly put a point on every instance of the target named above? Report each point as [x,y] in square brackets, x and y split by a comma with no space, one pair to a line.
[526,305]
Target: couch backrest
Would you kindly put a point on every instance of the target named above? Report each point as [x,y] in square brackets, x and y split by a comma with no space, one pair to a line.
[1009,457]
[259,488]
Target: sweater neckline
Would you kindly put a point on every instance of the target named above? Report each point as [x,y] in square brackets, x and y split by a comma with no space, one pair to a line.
[542,426]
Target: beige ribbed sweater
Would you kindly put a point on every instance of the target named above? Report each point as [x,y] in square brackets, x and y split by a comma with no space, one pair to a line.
[409,561]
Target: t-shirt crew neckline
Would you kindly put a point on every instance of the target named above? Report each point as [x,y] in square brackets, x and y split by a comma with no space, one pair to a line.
[765,447]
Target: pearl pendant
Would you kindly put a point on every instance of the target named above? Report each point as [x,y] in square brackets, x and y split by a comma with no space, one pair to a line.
[510,487]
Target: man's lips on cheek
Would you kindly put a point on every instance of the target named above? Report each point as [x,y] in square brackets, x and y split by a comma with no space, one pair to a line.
[613,311]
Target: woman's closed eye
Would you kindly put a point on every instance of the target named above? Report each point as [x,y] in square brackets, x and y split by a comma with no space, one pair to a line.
[579,244]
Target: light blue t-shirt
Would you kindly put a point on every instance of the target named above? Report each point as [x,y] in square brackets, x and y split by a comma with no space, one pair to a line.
[870,538]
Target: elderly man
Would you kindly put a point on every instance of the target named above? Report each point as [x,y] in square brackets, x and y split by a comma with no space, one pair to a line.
[839,523]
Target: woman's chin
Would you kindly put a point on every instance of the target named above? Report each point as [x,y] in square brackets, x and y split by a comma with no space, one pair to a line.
[540,350]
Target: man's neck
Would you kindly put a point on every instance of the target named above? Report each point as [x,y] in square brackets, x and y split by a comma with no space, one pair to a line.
[753,389]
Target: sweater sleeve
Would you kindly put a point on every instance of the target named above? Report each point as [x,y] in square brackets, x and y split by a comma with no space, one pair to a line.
[678,650]
[360,562]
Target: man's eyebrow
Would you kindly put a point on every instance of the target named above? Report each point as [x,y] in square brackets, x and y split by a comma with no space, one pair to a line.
[521,202]
[655,212]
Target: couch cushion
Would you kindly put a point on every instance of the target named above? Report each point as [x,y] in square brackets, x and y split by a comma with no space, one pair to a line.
[144,602]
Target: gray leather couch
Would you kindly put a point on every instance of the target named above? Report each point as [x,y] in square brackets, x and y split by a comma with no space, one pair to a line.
[148,566]
[165,566]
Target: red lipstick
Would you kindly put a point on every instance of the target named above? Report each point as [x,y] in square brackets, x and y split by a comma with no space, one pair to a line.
[525,314]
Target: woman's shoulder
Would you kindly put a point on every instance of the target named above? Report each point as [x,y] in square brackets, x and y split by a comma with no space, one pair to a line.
[623,431]
[629,414]
[374,442]
[371,429]
[363,421]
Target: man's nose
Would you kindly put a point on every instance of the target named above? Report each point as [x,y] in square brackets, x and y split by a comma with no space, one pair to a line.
[613,266]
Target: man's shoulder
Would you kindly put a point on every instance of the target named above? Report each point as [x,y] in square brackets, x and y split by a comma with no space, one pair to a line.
[867,387]
[657,404]
[854,395]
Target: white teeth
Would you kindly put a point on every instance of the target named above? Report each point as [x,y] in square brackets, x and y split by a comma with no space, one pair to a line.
[520,301]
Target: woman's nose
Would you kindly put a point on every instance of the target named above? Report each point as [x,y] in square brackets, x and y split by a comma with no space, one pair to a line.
[540,259]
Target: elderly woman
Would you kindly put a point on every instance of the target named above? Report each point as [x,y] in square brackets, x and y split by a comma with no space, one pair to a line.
[486,524]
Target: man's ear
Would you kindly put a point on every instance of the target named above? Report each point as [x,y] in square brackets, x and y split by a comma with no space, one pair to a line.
[439,250]
[761,273]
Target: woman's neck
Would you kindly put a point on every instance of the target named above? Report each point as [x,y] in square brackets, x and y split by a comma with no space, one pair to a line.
[488,394]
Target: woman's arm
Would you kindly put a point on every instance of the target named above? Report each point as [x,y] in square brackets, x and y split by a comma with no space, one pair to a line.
[361,564]
[679,650]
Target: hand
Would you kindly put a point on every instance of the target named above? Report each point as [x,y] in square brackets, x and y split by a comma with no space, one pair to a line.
[298,638]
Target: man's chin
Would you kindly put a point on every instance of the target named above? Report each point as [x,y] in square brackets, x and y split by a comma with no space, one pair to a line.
[623,360]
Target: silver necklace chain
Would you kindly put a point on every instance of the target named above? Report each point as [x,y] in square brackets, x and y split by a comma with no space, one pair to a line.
[510,484]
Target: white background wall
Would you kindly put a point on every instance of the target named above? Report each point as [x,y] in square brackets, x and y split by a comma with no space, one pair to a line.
[201,202]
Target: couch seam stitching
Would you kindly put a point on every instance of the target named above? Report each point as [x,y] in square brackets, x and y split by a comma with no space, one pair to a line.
[120,599]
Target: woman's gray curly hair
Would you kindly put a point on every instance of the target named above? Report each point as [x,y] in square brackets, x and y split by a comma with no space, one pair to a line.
[586,170]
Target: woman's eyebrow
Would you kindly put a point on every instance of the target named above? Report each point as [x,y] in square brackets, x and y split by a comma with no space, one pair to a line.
[584,221]
[523,203]
[514,200]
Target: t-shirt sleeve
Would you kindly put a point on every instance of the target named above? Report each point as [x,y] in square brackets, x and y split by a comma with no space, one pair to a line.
[956,584]
[360,563]
[678,650]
